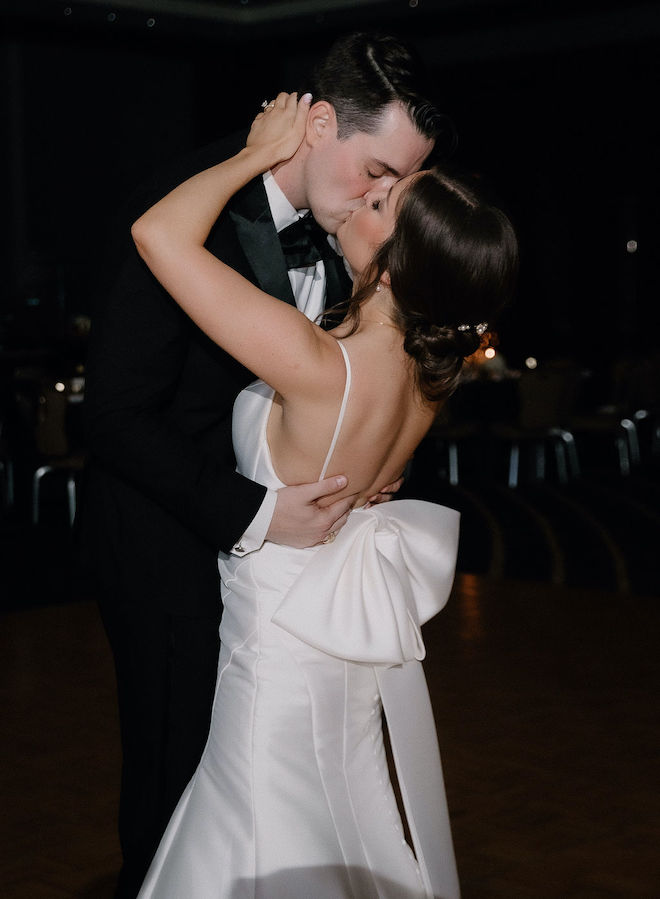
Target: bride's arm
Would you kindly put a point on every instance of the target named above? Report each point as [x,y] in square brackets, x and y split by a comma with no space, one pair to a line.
[248,323]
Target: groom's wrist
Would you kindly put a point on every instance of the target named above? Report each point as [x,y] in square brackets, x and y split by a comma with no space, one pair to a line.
[255,534]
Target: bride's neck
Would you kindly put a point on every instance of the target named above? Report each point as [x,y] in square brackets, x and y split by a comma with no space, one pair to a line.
[379,308]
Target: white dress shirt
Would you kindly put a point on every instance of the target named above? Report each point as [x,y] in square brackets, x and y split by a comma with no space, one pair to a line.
[308,286]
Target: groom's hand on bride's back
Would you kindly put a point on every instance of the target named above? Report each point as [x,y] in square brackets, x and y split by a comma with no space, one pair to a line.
[300,519]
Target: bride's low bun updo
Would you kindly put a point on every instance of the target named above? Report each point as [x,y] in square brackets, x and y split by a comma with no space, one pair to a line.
[438,352]
[452,261]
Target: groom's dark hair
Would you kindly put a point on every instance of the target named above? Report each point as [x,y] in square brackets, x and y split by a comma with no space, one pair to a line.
[363,73]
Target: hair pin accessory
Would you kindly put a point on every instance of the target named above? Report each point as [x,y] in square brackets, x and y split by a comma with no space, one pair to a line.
[479,329]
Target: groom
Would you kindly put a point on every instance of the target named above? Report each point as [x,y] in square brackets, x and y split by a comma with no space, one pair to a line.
[162,496]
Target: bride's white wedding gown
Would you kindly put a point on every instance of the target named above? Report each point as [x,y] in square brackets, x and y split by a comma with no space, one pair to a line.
[292,798]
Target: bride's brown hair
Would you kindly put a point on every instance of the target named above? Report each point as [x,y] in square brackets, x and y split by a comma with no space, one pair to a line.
[452,261]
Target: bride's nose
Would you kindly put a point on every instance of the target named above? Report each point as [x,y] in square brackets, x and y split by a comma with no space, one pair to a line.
[374,194]
[356,204]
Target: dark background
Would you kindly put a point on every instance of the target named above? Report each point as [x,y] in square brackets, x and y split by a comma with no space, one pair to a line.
[555,105]
[545,693]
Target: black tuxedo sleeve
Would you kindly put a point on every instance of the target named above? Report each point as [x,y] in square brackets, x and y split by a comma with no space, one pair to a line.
[139,346]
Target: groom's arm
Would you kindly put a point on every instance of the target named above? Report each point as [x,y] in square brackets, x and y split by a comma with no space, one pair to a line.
[137,351]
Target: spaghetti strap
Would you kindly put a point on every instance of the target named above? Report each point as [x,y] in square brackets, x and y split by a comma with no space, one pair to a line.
[342,410]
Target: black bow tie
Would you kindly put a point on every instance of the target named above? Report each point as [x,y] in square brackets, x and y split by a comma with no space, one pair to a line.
[305,243]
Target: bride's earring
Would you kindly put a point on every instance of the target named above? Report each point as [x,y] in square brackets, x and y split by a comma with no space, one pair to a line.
[377,288]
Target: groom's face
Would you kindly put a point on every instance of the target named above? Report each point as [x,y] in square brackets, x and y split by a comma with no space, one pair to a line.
[338,173]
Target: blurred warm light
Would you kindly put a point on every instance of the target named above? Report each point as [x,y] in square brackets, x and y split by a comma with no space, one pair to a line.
[487,362]
[631,246]
[530,362]
[59,386]
[471,599]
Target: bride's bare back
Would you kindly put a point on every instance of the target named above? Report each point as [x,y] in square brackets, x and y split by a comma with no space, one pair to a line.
[385,417]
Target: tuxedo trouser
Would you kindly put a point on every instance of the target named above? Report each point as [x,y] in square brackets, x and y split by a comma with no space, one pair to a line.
[166,667]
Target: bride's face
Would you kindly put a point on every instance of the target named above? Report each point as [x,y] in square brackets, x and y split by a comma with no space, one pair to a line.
[366,228]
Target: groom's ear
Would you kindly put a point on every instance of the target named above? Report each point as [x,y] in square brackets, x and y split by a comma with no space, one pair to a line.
[321,123]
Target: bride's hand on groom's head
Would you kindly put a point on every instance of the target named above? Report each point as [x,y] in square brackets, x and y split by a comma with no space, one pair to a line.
[279,129]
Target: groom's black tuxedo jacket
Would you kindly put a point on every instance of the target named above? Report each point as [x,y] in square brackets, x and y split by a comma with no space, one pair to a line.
[161,495]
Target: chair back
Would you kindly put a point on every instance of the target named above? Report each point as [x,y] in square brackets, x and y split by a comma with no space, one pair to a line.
[50,429]
[42,410]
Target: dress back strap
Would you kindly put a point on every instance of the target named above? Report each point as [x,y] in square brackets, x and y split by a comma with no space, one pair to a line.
[342,410]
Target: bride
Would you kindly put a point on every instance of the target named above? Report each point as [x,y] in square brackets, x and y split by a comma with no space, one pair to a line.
[292,797]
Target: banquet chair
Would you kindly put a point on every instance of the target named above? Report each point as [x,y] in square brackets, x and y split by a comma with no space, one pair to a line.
[448,437]
[53,446]
[42,403]
[615,427]
[546,397]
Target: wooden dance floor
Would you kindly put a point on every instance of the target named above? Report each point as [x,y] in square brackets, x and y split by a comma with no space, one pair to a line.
[546,702]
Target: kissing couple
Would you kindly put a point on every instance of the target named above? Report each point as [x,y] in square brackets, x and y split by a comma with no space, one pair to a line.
[324,588]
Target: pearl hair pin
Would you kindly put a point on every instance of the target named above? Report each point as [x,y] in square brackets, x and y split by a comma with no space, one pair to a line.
[479,329]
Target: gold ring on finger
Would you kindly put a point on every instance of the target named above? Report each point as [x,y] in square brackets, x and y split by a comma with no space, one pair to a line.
[329,537]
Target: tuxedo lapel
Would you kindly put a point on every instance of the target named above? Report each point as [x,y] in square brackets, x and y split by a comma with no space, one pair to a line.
[258,238]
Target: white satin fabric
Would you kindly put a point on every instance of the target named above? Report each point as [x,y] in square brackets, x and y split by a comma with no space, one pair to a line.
[292,798]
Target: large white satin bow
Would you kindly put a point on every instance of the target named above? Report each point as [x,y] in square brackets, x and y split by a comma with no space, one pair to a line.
[365,596]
